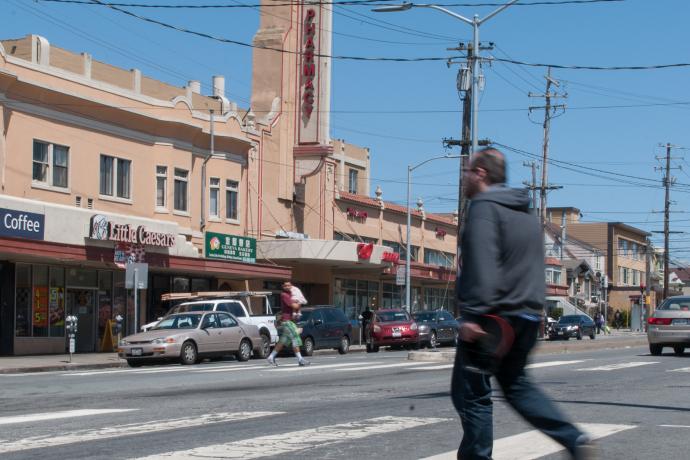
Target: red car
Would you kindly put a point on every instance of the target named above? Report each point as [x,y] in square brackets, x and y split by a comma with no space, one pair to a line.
[392,327]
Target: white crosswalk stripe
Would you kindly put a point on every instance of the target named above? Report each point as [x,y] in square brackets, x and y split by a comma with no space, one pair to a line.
[38,442]
[682,369]
[313,366]
[27,418]
[433,368]
[381,366]
[286,443]
[615,367]
[229,369]
[534,444]
[553,363]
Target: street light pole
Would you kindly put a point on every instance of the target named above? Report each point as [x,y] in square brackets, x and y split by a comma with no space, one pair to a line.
[475,22]
[410,168]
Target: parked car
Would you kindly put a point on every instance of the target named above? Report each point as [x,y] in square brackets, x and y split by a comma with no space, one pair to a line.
[191,336]
[324,326]
[669,326]
[436,327]
[391,327]
[576,326]
[238,304]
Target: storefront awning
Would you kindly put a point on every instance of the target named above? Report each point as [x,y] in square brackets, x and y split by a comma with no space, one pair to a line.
[332,253]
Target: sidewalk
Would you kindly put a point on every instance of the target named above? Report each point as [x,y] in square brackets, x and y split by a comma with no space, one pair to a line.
[85,361]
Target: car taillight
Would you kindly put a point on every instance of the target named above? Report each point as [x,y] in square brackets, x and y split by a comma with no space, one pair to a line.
[377,328]
[413,327]
[660,321]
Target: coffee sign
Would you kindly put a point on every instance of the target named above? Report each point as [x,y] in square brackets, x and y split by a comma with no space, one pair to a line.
[103,229]
[20,224]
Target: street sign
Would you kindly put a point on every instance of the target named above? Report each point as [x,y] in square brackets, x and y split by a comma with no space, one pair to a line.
[230,247]
[142,275]
[400,276]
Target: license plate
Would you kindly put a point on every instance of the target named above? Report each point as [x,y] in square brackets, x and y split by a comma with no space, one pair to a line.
[397,333]
[560,332]
[137,351]
[679,322]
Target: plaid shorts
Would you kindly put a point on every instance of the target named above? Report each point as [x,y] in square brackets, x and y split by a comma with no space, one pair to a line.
[289,335]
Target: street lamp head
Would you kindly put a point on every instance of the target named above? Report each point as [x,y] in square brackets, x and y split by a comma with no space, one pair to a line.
[393,8]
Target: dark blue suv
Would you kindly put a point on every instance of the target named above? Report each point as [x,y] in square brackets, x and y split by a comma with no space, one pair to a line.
[324,326]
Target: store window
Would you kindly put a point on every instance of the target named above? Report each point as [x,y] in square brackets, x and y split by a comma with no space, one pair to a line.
[353,296]
[392,295]
[436,298]
[82,278]
[56,302]
[39,310]
[22,300]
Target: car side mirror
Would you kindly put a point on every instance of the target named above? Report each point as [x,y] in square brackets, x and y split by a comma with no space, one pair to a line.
[317,322]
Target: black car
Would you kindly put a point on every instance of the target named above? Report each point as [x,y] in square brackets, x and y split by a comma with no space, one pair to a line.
[576,326]
[324,326]
[436,327]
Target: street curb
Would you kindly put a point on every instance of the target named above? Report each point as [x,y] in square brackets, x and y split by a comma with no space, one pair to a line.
[542,348]
[60,367]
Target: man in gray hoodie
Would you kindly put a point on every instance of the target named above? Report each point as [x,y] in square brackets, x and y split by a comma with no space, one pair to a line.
[502,273]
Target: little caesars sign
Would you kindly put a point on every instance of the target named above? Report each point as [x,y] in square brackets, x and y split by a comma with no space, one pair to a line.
[103,229]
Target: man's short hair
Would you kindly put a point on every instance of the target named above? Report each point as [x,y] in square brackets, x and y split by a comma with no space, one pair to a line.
[493,162]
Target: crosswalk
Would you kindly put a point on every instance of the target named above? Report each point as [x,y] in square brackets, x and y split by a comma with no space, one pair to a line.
[289,366]
[527,445]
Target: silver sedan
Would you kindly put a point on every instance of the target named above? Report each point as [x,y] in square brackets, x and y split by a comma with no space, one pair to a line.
[191,336]
[669,326]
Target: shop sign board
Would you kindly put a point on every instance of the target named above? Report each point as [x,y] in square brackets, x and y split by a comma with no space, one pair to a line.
[21,224]
[230,247]
[400,276]
[103,229]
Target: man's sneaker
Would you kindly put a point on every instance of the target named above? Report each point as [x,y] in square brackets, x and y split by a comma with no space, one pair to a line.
[304,362]
[272,361]
[585,449]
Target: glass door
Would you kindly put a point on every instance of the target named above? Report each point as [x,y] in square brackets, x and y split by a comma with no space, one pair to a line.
[82,304]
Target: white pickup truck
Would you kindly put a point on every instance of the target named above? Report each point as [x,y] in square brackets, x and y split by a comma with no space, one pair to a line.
[249,307]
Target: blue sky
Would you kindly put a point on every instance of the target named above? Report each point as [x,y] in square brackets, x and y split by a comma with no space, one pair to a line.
[403,110]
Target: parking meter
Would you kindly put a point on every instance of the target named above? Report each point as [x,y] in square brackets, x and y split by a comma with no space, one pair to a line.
[71,327]
[118,327]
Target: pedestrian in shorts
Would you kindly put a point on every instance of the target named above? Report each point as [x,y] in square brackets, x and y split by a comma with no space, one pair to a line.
[289,332]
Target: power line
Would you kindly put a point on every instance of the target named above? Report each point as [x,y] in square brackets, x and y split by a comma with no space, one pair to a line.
[591,67]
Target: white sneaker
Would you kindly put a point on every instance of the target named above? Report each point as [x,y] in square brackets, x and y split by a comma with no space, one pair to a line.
[272,361]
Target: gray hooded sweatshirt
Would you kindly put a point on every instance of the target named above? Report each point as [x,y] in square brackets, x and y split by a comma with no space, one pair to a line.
[502,256]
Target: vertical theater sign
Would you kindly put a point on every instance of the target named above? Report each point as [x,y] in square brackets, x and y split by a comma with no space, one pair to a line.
[314,72]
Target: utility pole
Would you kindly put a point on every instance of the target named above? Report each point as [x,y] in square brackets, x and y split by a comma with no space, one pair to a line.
[532,186]
[547,126]
[667,181]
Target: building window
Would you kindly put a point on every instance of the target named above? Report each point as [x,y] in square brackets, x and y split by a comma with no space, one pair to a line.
[402,249]
[161,187]
[213,197]
[352,187]
[232,190]
[50,156]
[442,259]
[553,275]
[392,296]
[436,298]
[116,177]
[353,296]
[622,247]
[181,182]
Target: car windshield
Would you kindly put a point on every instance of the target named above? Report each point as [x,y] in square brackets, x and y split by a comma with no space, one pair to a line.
[424,317]
[391,316]
[183,307]
[677,304]
[569,319]
[181,321]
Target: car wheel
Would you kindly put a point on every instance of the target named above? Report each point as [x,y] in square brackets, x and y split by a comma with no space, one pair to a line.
[308,346]
[134,363]
[679,351]
[245,351]
[188,354]
[432,339]
[344,345]
[371,346]
[265,347]
[655,350]
[592,335]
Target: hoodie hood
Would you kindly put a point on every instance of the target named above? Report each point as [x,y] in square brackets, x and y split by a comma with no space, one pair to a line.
[513,198]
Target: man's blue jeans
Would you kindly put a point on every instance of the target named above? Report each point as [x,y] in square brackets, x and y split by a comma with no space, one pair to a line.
[471,393]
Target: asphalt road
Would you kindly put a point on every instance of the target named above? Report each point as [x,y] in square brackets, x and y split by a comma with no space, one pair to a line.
[342,407]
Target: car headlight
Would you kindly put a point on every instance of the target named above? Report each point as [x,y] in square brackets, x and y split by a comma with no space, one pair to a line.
[123,342]
[163,340]
[413,327]
[377,328]
[423,328]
